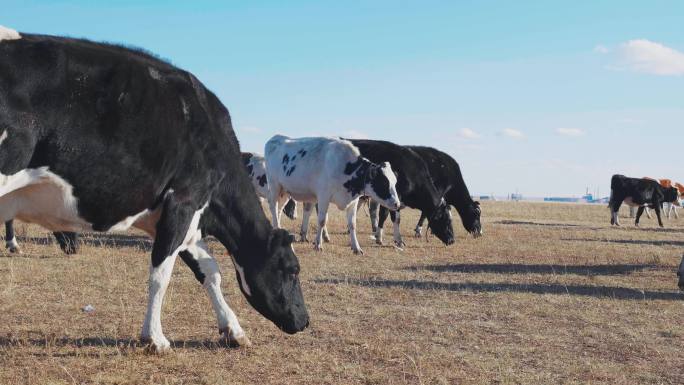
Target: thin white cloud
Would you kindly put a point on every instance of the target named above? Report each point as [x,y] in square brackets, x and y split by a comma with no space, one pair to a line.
[569,131]
[512,133]
[642,55]
[601,49]
[250,129]
[468,133]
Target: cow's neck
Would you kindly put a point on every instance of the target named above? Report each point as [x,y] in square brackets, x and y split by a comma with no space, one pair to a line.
[238,221]
[459,197]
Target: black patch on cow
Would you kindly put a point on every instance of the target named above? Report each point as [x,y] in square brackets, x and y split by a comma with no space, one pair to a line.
[379,182]
[193,265]
[262,180]
[355,185]
[291,170]
[352,166]
[286,159]
[301,153]
[250,170]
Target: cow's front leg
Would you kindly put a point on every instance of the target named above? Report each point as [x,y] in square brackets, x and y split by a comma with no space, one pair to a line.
[373,207]
[659,215]
[419,226]
[10,239]
[322,220]
[639,213]
[648,213]
[351,225]
[396,220]
[307,208]
[273,204]
[382,216]
[178,222]
[207,272]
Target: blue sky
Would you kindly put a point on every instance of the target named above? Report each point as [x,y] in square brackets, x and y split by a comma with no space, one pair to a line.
[542,97]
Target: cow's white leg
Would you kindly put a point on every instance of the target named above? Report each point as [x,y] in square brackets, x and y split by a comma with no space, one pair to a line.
[159,281]
[206,270]
[326,236]
[648,213]
[676,215]
[396,220]
[322,220]
[373,212]
[274,198]
[351,225]
[307,208]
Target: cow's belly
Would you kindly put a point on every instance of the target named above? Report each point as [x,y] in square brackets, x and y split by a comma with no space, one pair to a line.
[630,202]
[42,197]
[302,196]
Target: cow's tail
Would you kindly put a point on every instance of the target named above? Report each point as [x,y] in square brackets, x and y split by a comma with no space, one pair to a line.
[614,183]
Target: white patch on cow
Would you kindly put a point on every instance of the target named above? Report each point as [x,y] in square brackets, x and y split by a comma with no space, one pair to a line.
[12,243]
[159,281]
[243,281]
[154,73]
[8,34]
[128,222]
[3,136]
[630,202]
[42,197]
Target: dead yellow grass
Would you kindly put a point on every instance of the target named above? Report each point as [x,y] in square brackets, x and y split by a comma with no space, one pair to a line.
[551,294]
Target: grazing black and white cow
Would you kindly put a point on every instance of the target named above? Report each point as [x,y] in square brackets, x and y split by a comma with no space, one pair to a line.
[324,171]
[447,177]
[68,240]
[101,137]
[639,192]
[256,168]
[415,187]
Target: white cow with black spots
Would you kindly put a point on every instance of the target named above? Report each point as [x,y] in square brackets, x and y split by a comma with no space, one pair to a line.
[255,164]
[323,171]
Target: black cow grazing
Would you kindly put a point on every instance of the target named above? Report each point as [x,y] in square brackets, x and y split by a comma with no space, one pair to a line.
[415,188]
[68,240]
[639,192]
[101,137]
[446,174]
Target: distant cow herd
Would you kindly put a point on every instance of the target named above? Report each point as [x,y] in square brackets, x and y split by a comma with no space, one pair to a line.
[100,137]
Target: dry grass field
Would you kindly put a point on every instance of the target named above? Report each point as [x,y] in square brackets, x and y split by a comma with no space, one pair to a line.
[551,294]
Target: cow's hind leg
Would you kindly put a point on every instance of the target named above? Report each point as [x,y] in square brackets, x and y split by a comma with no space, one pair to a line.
[615,210]
[307,208]
[207,272]
[176,228]
[419,226]
[68,241]
[10,238]
[322,220]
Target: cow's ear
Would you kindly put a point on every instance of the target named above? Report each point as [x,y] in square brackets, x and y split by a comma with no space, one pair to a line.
[288,240]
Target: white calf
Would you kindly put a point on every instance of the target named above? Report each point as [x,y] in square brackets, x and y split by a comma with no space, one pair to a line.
[324,171]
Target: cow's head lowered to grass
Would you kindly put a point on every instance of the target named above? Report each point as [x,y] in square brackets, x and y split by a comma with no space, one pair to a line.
[439,222]
[271,284]
[470,217]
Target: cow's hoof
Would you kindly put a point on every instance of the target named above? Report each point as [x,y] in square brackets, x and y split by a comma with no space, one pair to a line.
[378,241]
[417,234]
[318,247]
[233,340]
[303,238]
[14,249]
[156,345]
[326,238]
[399,244]
[358,251]
[372,236]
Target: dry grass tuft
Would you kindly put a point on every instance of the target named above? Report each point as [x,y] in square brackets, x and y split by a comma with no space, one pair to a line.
[550,294]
